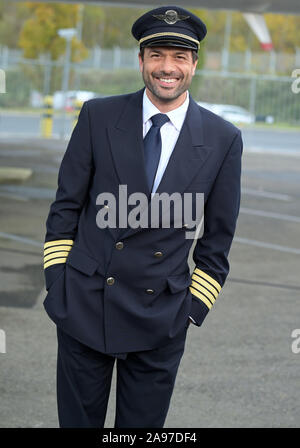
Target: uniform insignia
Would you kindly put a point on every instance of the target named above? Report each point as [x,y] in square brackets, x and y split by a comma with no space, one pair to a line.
[171,17]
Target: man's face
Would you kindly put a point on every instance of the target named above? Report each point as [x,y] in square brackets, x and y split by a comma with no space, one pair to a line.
[167,71]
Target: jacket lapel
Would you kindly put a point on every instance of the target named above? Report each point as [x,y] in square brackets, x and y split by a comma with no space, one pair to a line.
[188,155]
[126,139]
[185,162]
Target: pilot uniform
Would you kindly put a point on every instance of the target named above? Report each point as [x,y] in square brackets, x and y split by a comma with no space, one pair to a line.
[127,292]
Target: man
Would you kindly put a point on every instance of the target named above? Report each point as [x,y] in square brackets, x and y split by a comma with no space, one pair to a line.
[125,292]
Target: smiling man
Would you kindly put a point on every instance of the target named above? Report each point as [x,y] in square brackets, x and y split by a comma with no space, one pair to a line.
[167,74]
[128,294]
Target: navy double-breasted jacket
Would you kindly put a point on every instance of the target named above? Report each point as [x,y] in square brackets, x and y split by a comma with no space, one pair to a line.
[129,289]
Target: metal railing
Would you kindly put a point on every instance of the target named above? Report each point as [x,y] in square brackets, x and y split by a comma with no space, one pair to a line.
[237,82]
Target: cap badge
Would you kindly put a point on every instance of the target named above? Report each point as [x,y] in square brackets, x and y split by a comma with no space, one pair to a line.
[171,17]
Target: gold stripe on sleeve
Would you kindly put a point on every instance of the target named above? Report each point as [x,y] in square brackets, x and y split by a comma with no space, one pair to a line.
[206,285]
[201,297]
[57,242]
[200,288]
[55,255]
[56,249]
[54,261]
[208,278]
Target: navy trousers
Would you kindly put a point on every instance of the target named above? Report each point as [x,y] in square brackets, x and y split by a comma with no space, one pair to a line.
[145,382]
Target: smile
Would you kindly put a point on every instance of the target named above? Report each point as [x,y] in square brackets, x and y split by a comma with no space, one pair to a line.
[167,82]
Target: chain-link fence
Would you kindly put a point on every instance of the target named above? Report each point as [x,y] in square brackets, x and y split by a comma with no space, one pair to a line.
[262,95]
[115,71]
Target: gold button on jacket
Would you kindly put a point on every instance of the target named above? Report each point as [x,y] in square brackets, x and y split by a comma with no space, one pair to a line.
[110,281]
[158,254]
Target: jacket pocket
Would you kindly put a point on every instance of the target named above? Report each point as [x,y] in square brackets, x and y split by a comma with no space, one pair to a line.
[82,262]
[178,283]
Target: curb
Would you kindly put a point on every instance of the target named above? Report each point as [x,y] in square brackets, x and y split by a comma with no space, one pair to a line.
[12,174]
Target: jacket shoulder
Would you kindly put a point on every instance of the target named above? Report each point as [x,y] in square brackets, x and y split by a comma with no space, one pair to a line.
[108,103]
[213,121]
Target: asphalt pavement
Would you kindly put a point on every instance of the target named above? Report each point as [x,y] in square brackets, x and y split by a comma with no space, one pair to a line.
[238,369]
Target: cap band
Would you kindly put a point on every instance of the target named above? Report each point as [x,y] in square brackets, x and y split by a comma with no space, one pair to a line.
[184,36]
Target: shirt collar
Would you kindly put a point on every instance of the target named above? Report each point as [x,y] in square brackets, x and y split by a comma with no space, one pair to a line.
[176,116]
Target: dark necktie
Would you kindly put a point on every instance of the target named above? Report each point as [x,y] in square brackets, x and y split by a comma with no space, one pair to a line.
[152,147]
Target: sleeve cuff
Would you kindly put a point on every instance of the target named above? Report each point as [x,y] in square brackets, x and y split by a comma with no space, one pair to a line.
[204,290]
[56,252]
[199,311]
[55,256]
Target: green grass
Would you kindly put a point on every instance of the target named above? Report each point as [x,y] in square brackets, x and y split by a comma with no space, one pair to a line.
[274,126]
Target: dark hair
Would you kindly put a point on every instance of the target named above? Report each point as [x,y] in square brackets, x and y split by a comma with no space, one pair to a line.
[194,54]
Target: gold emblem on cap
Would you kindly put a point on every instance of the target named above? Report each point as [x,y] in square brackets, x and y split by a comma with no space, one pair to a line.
[171,17]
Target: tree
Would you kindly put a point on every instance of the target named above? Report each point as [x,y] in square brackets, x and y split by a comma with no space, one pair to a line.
[114,26]
[284,31]
[12,17]
[40,31]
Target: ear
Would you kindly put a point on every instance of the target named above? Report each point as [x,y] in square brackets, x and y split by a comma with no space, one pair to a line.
[141,63]
[195,66]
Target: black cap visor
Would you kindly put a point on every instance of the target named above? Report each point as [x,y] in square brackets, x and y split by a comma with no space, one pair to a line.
[169,42]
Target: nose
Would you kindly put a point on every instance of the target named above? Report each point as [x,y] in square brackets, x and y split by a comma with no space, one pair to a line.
[167,65]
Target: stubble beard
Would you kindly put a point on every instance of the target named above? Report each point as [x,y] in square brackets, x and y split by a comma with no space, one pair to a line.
[169,95]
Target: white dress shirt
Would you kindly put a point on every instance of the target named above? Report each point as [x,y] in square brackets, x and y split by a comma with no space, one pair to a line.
[169,133]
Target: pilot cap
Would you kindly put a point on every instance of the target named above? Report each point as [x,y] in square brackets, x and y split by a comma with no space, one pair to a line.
[169,26]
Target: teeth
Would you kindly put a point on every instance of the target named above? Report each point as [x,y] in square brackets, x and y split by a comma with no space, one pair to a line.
[167,80]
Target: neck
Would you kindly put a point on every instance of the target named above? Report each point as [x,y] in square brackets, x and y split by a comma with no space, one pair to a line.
[163,106]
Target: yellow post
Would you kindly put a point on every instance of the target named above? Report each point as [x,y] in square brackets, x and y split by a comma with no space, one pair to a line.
[77,108]
[47,117]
